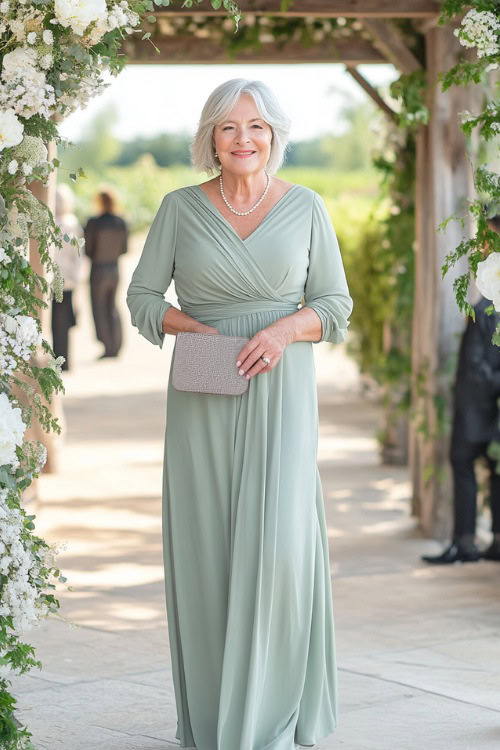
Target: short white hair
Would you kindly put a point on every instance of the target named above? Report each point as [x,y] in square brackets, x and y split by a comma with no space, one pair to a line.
[217,108]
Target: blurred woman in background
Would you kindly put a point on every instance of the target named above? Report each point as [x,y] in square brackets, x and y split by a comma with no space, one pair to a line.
[106,238]
[70,262]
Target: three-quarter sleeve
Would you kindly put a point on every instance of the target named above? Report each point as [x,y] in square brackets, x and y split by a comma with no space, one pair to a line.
[153,274]
[326,289]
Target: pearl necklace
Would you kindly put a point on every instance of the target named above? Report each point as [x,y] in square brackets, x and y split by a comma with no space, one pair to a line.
[244,213]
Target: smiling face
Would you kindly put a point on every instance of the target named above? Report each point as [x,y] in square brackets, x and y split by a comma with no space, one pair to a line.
[243,140]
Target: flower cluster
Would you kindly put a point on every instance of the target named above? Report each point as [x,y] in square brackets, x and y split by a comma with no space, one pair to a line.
[17,563]
[30,153]
[19,337]
[23,85]
[92,19]
[12,430]
[488,279]
[481,29]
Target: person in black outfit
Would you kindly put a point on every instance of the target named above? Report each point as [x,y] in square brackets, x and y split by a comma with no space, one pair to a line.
[475,424]
[106,238]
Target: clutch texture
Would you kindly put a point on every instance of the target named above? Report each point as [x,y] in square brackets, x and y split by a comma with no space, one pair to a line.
[206,363]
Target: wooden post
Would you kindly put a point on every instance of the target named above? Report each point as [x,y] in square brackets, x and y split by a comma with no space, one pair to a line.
[444,183]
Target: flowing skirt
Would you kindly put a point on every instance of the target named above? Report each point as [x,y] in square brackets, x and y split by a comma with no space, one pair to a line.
[247,572]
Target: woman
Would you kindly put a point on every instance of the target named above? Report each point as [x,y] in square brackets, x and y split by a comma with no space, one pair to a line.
[106,238]
[247,569]
[70,262]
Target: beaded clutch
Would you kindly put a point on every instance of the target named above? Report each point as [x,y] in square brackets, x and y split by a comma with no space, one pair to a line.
[206,363]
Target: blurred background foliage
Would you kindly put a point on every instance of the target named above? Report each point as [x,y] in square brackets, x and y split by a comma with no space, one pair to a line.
[329,164]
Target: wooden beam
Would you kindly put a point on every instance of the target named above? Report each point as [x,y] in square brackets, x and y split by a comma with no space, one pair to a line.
[373,93]
[388,40]
[191,50]
[319,8]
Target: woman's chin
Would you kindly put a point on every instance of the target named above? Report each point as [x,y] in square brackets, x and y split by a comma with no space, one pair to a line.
[243,166]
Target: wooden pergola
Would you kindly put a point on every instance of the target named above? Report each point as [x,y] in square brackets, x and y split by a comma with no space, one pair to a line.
[444,179]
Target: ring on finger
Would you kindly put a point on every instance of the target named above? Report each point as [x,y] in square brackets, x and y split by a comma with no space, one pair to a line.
[266,360]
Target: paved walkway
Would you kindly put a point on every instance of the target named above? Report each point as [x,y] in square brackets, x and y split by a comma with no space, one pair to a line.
[418,648]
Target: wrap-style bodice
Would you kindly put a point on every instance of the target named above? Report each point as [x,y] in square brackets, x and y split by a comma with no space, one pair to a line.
[293,253]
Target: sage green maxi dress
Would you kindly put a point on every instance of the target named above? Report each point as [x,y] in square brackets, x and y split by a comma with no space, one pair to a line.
[247,573]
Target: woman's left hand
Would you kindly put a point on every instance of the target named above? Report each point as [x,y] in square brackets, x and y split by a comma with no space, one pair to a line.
[270,342]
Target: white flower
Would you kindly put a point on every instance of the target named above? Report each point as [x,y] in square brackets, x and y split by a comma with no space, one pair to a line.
[32,150]
[27,168]
[46,61]
[78,14]
[48,36]
[11,130]
[12,167]
[4,7]
[31,38]
[17,61]
[12,430]
[4,258]
[117,17]
[488,279]
[17,28]
[480,29]
[24,87]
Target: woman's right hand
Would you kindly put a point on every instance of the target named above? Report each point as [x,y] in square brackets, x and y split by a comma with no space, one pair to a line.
[175,321]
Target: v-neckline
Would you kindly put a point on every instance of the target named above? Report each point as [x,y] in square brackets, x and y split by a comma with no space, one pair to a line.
[217,213]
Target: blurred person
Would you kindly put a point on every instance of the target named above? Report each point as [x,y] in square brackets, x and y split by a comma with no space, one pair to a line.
[475,424]
[106,238]
[71,262]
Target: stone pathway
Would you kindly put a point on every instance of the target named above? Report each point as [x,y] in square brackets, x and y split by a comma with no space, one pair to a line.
[418,648]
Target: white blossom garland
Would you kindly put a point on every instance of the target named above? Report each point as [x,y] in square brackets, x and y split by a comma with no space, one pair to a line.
[49,67]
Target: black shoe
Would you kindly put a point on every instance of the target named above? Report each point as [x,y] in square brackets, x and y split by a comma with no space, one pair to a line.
[492,552]
[454,553]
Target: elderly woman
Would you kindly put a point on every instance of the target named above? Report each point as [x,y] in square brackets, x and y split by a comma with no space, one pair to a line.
[247,571]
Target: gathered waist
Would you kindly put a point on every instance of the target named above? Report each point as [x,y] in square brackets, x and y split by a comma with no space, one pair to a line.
[220,311]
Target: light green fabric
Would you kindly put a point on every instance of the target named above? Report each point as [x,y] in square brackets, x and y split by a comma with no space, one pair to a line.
[247,572]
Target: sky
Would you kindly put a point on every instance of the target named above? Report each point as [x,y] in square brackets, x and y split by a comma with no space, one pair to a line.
[152,99]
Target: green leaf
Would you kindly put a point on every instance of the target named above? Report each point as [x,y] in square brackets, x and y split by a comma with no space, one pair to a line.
[216,4]
[7,479]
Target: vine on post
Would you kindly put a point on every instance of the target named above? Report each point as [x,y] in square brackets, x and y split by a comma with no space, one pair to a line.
[479,29]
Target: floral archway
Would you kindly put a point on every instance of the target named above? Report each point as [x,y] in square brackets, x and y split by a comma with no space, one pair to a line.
[53,56]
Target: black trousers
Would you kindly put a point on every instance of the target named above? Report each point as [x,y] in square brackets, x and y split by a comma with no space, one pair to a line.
[63,318]
[103,283]
[463,455]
